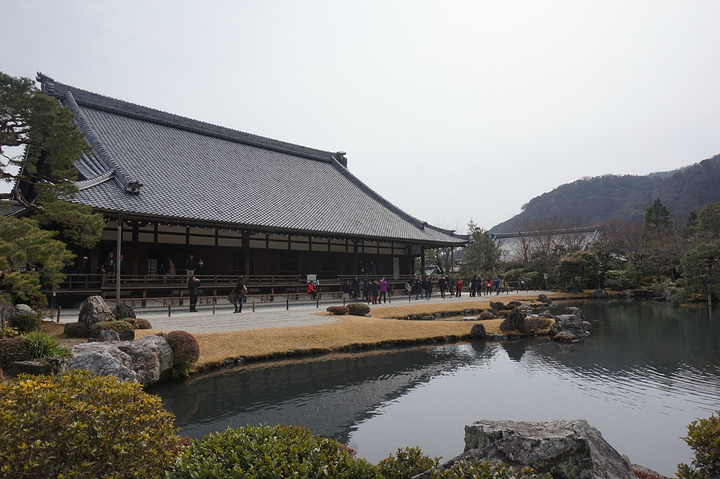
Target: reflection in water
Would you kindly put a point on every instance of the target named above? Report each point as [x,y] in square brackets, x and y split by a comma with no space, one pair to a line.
[645,373]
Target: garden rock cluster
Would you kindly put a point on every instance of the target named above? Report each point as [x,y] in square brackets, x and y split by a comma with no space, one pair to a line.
[566,449]
[146,360]
[570,327]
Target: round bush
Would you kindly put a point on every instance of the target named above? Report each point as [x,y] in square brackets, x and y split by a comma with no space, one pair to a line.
[142,323]
[186,351]
[270,452]
[26,322]
[358,309]
[77,330]
[485,315]
[80,425]
[338,310]
[116,326]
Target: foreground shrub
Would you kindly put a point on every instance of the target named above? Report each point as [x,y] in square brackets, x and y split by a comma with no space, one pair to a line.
[704,439]
[26,322]
[186,351]
[42,345]
[14,349]
[116,326]
[358,309]
[485,470]
[270,452]
[80,425]
[338,310]
[77,330]
[406,463]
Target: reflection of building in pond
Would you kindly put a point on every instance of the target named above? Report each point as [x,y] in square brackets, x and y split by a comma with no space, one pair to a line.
[327,394]
[170,186]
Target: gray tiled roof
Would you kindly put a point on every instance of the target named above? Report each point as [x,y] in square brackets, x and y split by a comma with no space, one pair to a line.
[150,163]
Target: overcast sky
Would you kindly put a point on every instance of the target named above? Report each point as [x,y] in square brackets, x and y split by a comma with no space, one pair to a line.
[451,110]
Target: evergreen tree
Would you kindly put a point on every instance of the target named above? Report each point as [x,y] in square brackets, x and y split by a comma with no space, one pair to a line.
[43,177]
[482,255]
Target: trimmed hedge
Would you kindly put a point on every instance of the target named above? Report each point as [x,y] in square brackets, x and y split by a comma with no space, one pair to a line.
[112,325]
[84,426]
[270,452]
[14,349]
[186,351]
[26,323]
[77,330]
[358,309]
[142,323]
[338,310]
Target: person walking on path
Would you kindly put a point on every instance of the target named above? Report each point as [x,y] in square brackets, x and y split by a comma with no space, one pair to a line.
[374,290]
[458,288]
[496,283]
[194,290]
[240,292]
[443,286]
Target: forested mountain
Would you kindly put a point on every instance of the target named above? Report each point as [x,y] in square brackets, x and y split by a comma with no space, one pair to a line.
[592,201]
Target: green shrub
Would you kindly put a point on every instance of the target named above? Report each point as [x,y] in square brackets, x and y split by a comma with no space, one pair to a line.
[704,439]
[358,309]
[338,310]
[142,323]
[270,452]
[26,322]
[77,330]
[186,351]
[14,349]
[42,345]
[406,463]
[112,325]
[132,321]
[80,425]
[484,470]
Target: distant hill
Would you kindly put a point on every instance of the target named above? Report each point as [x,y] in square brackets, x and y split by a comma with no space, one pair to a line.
[602,198]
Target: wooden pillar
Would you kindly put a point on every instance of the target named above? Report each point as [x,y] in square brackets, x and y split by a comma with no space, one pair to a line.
[118,255]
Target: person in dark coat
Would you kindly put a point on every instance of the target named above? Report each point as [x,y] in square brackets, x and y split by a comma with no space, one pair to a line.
[240,292]
[355,288]
[194,290]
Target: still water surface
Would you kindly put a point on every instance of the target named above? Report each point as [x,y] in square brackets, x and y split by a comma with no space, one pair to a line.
[644,374]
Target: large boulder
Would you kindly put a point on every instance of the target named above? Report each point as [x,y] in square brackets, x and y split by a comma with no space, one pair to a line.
[122,311]
[146,360]
[567,449]
[571,323]
[95,310]
[478,331]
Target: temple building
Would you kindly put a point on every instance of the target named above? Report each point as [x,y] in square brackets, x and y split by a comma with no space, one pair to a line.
[169,187]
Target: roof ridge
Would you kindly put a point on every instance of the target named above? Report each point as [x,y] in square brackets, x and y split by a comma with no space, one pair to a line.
[133,110]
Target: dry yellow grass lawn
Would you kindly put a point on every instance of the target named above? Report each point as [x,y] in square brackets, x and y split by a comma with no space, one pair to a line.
[350,331]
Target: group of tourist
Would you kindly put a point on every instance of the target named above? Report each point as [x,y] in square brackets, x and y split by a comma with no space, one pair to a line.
[373,291]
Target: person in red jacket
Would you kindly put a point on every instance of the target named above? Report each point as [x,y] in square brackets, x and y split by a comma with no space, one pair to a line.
[312,289]
[458,288]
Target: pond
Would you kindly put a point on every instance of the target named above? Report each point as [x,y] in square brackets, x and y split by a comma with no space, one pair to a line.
[644,374]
